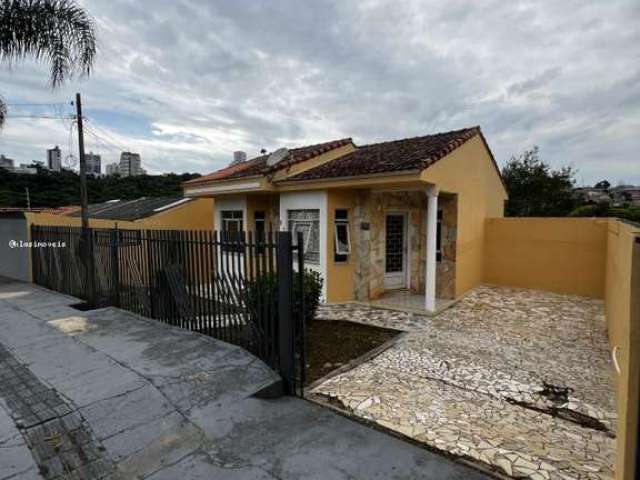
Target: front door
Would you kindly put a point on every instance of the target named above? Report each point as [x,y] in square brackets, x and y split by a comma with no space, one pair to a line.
[395,251]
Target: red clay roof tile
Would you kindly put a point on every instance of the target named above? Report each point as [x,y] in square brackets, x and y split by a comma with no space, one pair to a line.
[258,165]
[398,155]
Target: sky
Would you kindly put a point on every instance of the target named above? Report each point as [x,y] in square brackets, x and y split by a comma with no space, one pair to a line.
[186,83]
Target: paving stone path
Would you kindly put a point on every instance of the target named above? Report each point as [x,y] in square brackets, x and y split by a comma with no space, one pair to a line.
[518,379]
[61,442]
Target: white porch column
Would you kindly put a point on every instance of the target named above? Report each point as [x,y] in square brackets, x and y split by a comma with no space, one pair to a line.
[432,231]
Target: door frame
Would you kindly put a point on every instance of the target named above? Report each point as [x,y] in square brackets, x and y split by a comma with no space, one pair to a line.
[406,260]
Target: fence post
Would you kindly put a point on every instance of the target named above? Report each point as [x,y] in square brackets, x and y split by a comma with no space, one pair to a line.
[115,266]
[301,334]
[86,256]
[32,255]
[285,317]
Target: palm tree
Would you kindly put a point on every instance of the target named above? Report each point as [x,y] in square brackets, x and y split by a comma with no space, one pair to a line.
[57,32]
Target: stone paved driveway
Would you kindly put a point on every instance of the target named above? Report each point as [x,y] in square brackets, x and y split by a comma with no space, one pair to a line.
[517,379]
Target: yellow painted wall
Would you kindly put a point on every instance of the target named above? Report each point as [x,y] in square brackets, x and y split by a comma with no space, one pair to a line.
[564,255]
[266,203]
[622,307]
[194,215]
[340,275]
[469,172]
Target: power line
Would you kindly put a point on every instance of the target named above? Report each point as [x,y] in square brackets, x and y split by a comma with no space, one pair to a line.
[38,104]
[102,143]
[107,140]
[46,117]
[105,134]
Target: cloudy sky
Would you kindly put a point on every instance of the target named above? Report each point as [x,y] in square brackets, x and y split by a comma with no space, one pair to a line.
[185,83]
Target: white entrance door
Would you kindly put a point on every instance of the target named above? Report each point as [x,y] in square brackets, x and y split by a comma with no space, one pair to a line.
[395,251]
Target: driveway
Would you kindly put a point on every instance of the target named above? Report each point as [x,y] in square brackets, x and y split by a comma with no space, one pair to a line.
[108,394]
[517,379]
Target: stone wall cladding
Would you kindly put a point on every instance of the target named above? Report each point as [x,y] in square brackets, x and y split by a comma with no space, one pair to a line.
[446,267]
[370,211]
[362,241]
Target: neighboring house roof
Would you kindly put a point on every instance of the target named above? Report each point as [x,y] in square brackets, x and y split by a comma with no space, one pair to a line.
[258,165]
[60,210]
[130,210]
[50,211]
[255,164]
[415,153]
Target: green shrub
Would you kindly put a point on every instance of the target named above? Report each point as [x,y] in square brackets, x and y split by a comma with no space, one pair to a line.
[311,292]
[589,211]
[631,214]
[264,290]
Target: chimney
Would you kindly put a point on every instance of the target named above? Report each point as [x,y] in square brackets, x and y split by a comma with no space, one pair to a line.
[238,157]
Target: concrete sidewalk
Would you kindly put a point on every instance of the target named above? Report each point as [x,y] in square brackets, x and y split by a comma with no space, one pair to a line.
[107,394]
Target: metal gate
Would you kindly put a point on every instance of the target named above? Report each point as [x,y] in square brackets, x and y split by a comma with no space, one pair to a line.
[237,287]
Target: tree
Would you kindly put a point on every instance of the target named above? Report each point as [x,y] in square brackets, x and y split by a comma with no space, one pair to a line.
[535,190]
[55,189]
[57,32]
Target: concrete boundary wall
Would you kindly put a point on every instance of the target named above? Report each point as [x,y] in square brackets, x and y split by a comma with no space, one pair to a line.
[14,259]
[622,309]
[563,255]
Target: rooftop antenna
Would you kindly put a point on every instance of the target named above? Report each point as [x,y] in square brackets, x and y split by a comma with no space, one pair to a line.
[277,156]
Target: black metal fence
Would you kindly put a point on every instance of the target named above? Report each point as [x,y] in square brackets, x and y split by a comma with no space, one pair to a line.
[237,288]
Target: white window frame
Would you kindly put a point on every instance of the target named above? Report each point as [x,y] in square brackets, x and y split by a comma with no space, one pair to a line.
[293,224]
[306,235]
[345,223]
[224,221]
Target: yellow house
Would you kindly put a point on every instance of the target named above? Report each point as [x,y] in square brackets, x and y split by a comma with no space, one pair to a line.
[401,221]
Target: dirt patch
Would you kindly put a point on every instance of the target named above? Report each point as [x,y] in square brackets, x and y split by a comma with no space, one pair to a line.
[332,344]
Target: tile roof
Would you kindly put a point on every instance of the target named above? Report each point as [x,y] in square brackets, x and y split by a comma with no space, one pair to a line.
[5,211]
[130,210]
[394,156]
[297,155]
[229,171]
[258,165]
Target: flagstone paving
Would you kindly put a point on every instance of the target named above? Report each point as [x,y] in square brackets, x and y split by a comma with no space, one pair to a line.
[519,379]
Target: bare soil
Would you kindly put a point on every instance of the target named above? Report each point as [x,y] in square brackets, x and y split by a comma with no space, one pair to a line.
[332,344]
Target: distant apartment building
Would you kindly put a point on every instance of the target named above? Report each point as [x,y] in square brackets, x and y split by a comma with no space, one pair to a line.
[93,163]
[6,162]
[113,169]
[24,168]
[54,159]
[130,165]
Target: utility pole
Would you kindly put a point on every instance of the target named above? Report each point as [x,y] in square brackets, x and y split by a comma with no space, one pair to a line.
[86,242]
[84,202]
[28,199]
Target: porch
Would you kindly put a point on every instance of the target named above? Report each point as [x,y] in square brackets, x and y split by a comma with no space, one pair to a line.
[406,248]
[407,301]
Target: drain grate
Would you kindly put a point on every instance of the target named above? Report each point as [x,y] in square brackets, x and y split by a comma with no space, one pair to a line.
[61,442]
